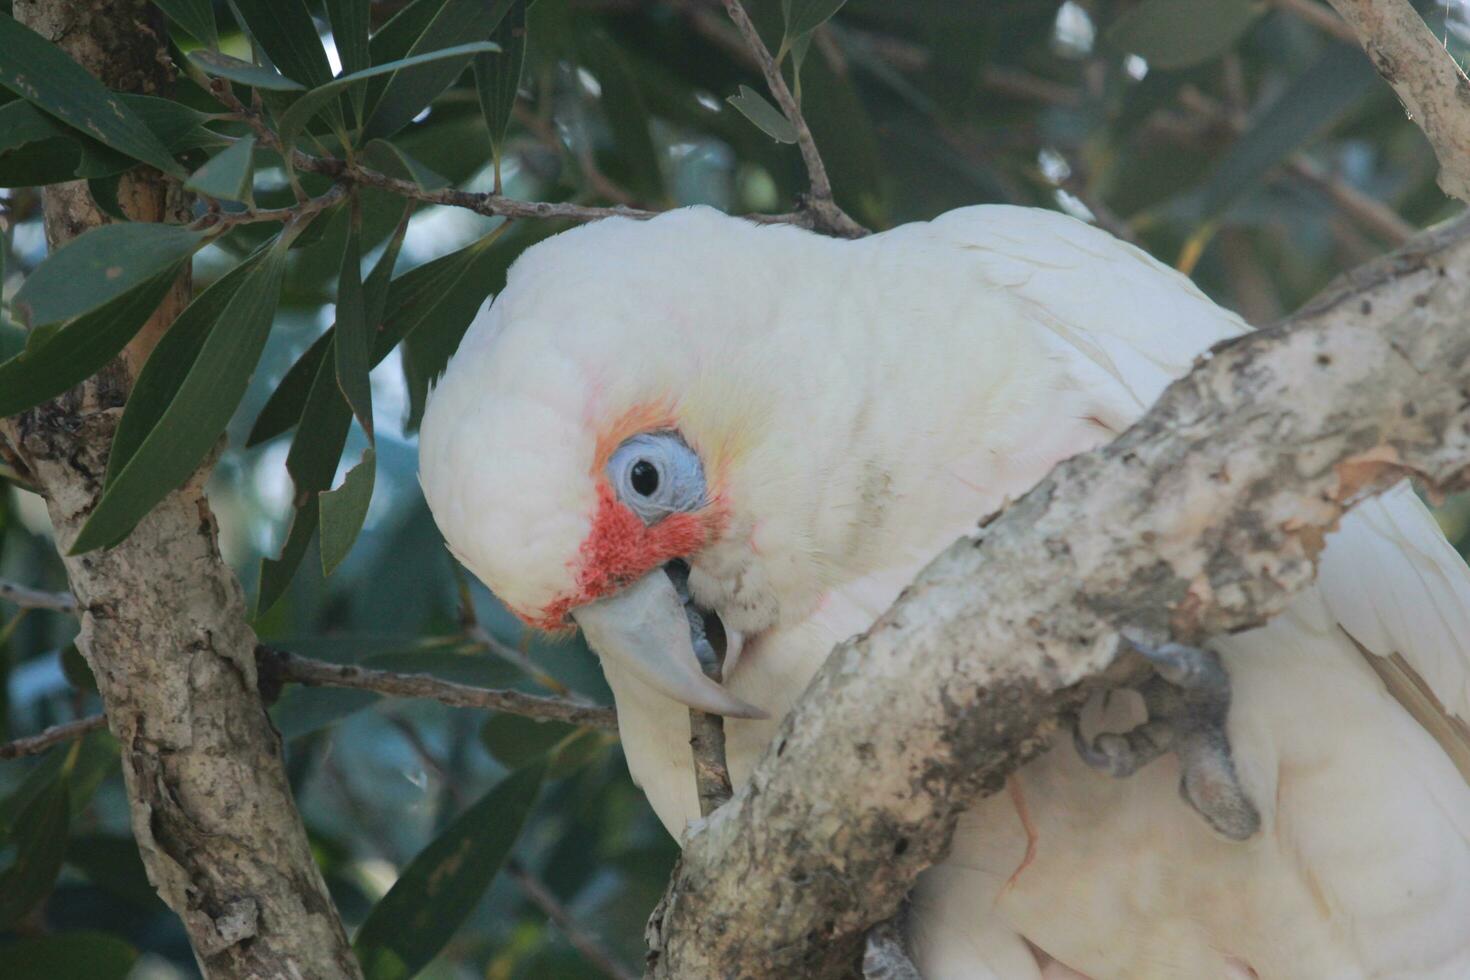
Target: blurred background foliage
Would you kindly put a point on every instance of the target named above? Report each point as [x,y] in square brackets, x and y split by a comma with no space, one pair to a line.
[1248,143]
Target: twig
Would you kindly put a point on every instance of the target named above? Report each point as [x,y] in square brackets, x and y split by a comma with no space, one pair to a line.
[278,666]
[585,943]
[830,218]
[223,220]
[707,742]
[55,735]
[28,598]
[1433,89]
[1319,16]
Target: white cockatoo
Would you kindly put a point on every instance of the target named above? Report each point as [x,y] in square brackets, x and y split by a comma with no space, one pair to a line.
[805,422]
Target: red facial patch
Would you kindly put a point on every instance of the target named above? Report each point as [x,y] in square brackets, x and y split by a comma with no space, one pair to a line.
[620,549]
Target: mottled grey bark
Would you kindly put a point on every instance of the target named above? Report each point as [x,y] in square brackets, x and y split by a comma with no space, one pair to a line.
[1204,518]
[163,618]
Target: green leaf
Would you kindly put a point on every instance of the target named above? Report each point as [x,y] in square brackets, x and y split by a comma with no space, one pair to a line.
[805,16]
[94,955]
[395,162]
[753,106]
[444,883]
[350,23]
[1179,33]
[194,16]
[38,71]
[498,78]
[69,355]
[39,836]
[37,149]
[100,266]
[1314,102]
[576,752]
[457,23]
[296,117]
[229,174]
[284,31]
[169,365]
[112,863]
[344,509]
[198,412]
[627,116]
[223,66]
[354,340]
[283,408]
[514,740]
[311,463]
[78,672]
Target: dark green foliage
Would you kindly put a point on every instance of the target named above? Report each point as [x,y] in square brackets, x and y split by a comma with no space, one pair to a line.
[917,107]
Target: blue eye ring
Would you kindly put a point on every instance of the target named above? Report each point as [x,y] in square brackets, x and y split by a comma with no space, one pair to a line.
[657,474]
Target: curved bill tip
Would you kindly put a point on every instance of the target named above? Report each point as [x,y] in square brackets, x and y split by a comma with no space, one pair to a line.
[645,630]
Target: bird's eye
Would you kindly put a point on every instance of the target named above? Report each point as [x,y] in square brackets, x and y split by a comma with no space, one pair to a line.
[644,478]
[656,474]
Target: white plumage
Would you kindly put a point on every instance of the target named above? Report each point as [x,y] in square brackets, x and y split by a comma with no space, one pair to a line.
[857,406]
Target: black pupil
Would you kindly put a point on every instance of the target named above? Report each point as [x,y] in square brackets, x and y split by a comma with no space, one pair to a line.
[644,478]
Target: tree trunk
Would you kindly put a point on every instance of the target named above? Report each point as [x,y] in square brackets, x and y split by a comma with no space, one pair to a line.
[163,622]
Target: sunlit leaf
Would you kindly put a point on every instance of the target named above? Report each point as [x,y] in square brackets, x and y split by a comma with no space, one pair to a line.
[235,70]
[1180,33]
[344,509]
[38,71]
[198,412]
[94,955]
[443,884]
[753,106]
[194,16]
[228,174]
[100,266]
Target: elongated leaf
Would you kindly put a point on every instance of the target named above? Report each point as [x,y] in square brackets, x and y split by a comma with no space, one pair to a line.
[228,174]
[113,863]
[458,22]
[296,117]
[379,283]
[80,347]
[344,509]
[283,408]
[350,22]
[27,132]
[169,365]
[514,740]
[311,463]
[194,16]
[753,106]
[498,77]
[1178,33]
[39,836]
[94,955]
[1314,102]
[38,71]
[198,412]
[100,266]
[354,341]
[805,16]
[284,30]
[223,66]
[442,885]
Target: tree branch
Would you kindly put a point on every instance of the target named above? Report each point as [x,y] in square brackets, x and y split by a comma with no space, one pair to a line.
[830,219]
[1217,502]
[29,598]
[1433,89]
[278,666]
[591,948]
[55,735]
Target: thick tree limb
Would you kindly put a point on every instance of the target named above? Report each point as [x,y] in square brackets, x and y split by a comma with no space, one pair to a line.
[1433,89]
[1203,518]
[163,622]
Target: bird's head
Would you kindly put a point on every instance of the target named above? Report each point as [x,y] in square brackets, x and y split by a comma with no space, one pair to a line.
[603,418]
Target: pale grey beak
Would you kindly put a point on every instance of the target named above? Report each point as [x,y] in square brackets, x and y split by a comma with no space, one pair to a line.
[645,630]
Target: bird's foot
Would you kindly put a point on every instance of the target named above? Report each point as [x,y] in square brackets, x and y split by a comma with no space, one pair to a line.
[1188,702]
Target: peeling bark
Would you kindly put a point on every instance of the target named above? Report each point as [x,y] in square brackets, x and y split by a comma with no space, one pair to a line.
[163,621]
[1204,518]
